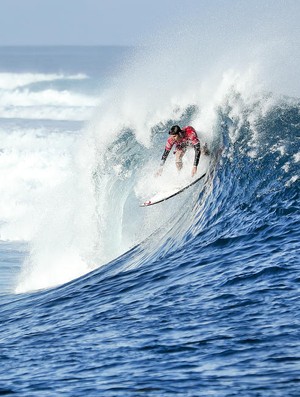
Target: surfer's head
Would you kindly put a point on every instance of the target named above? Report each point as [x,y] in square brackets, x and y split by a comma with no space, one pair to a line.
[176,131]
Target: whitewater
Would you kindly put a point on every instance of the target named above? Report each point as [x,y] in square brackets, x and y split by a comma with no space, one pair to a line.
[196,296]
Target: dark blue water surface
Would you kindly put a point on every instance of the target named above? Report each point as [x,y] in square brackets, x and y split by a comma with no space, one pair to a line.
[214,313]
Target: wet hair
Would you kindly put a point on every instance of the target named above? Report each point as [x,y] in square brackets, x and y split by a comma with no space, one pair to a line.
[175,130]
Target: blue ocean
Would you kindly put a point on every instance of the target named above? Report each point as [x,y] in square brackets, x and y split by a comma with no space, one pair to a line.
[196,296]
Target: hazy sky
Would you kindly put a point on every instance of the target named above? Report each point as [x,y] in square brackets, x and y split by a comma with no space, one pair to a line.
[88,22]
[128,22]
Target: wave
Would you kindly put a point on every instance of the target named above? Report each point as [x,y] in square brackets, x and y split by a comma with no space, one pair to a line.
[32,161]
[46,104]
[101,219]
[74,113]
[91,216]
[11,81]
[45,96]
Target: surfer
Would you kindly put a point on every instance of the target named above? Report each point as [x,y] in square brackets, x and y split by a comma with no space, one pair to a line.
[182,139]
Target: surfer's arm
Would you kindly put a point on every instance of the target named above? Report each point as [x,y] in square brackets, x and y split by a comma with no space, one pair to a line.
[197,154]
[168,148]
[163,160]
[196,158]
[164,157]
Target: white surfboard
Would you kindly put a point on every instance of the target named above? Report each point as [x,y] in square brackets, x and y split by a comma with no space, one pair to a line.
[166,195]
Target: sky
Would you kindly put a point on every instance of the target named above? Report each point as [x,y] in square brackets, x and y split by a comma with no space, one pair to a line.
[130,22]
[126,22]
[83,22]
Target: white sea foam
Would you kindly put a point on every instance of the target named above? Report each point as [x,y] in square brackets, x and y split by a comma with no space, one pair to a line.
[297,157]
[78,113]
[47,97]
[32,162]
[46,104]
[17,100]
[9,81]
[40,195]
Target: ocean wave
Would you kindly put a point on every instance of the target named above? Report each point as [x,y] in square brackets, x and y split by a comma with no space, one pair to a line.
[107,181]
[32,162]
[92,216]
[11,81]
[48,97]
[76,113]
[46,104]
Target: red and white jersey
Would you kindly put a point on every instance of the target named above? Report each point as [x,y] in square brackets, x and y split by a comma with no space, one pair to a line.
[189,138]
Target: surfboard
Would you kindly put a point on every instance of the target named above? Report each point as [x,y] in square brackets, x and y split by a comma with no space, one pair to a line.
[163,196]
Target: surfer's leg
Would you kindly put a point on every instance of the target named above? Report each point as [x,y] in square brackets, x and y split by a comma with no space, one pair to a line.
[178,158]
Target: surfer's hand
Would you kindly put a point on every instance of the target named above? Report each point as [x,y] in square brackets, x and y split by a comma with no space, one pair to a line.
[194,170]
[159,172]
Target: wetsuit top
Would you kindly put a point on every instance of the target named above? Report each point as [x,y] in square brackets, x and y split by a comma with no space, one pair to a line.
[189,138]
